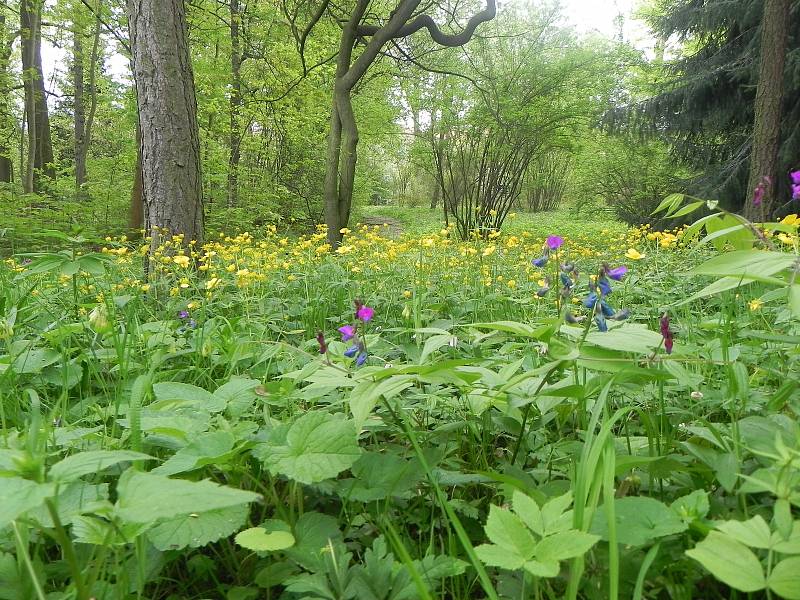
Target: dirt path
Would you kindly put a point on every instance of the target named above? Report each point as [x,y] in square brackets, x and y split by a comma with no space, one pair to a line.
[393,227]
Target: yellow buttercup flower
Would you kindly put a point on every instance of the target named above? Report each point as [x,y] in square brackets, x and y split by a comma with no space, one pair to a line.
[634,254]
[755,304]
[181,260]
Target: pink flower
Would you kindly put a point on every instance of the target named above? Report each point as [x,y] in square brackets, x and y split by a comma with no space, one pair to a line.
[348,332]
[554,242]
[365,313]
[795,175]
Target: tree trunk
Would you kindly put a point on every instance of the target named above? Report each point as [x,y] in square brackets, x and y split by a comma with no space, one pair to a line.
[6,166]
[136,220]
[235,105]
[768,109]
[82,122]
[40,148]
[170,146]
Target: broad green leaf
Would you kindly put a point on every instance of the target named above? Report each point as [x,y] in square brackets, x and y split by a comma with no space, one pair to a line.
[73,499]
[381,475]
[689,208]
[172,393]
[259,539]
[753,532]
[505,529]
[144,497]
[365,395]
[790,545]
[33,361]
[564,545]
[553,512]
[692,506]
[745,262]
[734,564]
[318,446]
[432,344]
[206,449]
[639,520]
[238,394]
[527,510]
[19,495]
[314,533]
[92,461]
[541,569]
[785,578]
[629,337]
[794,300]
[198,529]
[498,556]
[93,530]
[669,203]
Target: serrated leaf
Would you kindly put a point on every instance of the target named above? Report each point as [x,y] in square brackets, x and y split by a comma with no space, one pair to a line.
[259,539]
[505,529]
[19,495]
[206,449]
[734,564]
[527,510]
[541,569]
[564,545]
[145,497]
[92,461]
[318,446]
[497,556]
[198,529]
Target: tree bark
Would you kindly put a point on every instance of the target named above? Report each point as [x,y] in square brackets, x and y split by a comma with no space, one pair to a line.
[6,166]
[40,148]
[768,109]
[170,146]
[82,122]
[235,105]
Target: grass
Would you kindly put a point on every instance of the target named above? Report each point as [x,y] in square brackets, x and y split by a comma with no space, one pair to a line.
[184,436]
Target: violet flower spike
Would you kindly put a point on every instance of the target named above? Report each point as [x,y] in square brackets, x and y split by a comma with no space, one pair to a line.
[554,242]
[617,273]
[348,332]
[795,176]
[365,313]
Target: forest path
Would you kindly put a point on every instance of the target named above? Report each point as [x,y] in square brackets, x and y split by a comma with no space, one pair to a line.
[389,227]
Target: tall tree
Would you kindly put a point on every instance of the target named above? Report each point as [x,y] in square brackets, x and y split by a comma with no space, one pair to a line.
[40,148]
[768,107]
[170,145]
[403,21]
[83,120]
[6,41]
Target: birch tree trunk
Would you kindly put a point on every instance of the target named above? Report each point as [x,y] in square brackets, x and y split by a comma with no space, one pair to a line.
[170,146]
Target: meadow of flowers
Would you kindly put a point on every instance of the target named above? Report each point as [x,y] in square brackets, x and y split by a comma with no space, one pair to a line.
[565,409]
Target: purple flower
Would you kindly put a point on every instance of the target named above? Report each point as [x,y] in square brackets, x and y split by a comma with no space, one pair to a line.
[184,314]
[617,273]
[761,189]
[362,358]
[348,332]
[604,286]
[365,313]
[590,300]
[539,262]
[554,242]
[666,333]
[796,191]
[351,351]
[795,175]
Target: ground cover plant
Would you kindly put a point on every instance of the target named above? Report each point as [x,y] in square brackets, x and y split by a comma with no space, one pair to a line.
[541,414]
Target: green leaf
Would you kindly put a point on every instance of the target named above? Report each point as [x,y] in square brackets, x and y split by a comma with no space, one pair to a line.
[506,530]
[259,539]
[754,532]
[553,513]
[432,344]
[527,510]
[206,449]
[669,203]
[172,393]
[564,545]
[692,506]
[785,578]
[542,569]
[639,520]
[734,564]
[33,361]
[92,461]
[237,394]
[366,394]
[629,337]
[498,556]
[790,545]
[794,300]
[18,495]
[198,529]
[745,262]
[317,446]
[144,497]
[689,208]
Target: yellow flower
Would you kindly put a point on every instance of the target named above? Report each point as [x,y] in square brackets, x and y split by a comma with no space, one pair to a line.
[489,250]
[407,294]
[634,254]
[755,304]
[145,287]
[213,282]
[512,283]
[181,260]
[791,220]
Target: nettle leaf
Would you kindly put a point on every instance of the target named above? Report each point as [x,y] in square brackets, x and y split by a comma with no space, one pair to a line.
[198,529]
[527,510]
[145,497]
[238,394]
[92,461]
[207,449]
[317,446]
[19,495]
[785,578]
[174,394]
[729,561]
[259,539]
[753,532]
[639,520]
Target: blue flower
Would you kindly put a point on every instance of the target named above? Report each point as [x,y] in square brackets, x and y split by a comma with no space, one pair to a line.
[606,309]
[590,300]
[604,286]
[539,262]
[621,315]
[601,322]
[362,358]
[351,351]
